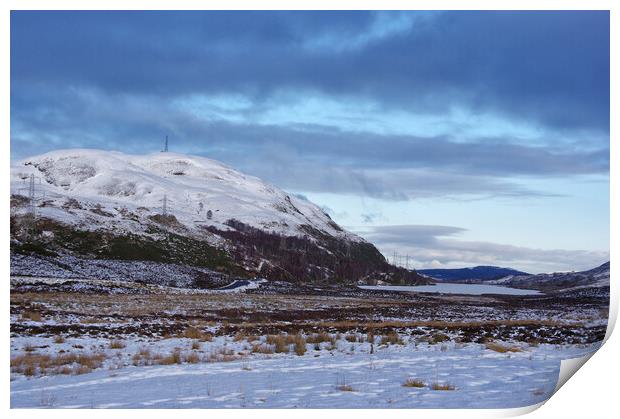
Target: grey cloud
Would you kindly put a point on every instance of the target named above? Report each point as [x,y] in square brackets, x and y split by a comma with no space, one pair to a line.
[431,246]
[371,217]
[556,72]
[307,158]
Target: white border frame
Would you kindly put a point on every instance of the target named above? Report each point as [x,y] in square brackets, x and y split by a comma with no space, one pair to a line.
[594,397]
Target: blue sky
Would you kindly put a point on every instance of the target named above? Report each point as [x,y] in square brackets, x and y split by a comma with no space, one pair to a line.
[459,138]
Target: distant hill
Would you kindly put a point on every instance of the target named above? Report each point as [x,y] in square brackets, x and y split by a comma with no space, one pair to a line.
[478,273]
[592,278]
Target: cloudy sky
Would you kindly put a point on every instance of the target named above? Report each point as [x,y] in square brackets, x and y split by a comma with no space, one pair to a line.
[458,138]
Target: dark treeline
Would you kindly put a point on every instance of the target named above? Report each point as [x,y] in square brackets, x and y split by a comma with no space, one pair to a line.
[317,257]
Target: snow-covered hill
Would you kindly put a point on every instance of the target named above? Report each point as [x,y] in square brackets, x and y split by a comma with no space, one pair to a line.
[113,183]
[188,210]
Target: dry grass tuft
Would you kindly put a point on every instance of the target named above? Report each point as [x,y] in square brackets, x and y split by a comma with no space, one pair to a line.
[34,316]
[33,364]
[59,339]
[391,338]
[192,333]
[81,369]
[223,355]
[262,349]
[320,338]
[345,387]
[445,387]
[173,358]
[192,358]
[91,361]
[117,344]
[142,357]
[300,345]
[280,342]
[498,347]
[351,337]
[413,382]
[438,337]
[195,333]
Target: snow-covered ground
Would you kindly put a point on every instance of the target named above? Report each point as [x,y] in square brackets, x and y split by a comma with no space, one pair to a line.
[350,378]
[93,343]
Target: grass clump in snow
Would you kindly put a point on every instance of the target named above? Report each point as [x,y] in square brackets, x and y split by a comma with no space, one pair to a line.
[342,384]
[281,342]
[281,346]
[31,315]
[117,344]
[351,337]
[36,364]
[142,357]
[320,338]
[498,347]
[438,337]
[300,345]
[195,333]
[192,358]
[391,338]
[223,355]
[414,382]
[443,387]
[173,358]
[262,349]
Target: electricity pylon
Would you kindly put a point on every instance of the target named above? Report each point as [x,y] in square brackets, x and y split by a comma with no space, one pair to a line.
[164,208]
[32,203]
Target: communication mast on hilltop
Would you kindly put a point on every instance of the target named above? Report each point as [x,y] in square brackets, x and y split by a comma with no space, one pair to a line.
[165,150]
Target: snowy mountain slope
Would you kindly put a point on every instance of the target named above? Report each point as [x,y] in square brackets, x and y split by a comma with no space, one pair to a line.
[185,210]
[192,186]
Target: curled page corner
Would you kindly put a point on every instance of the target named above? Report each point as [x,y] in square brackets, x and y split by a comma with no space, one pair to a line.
[568,368]
[519,411]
